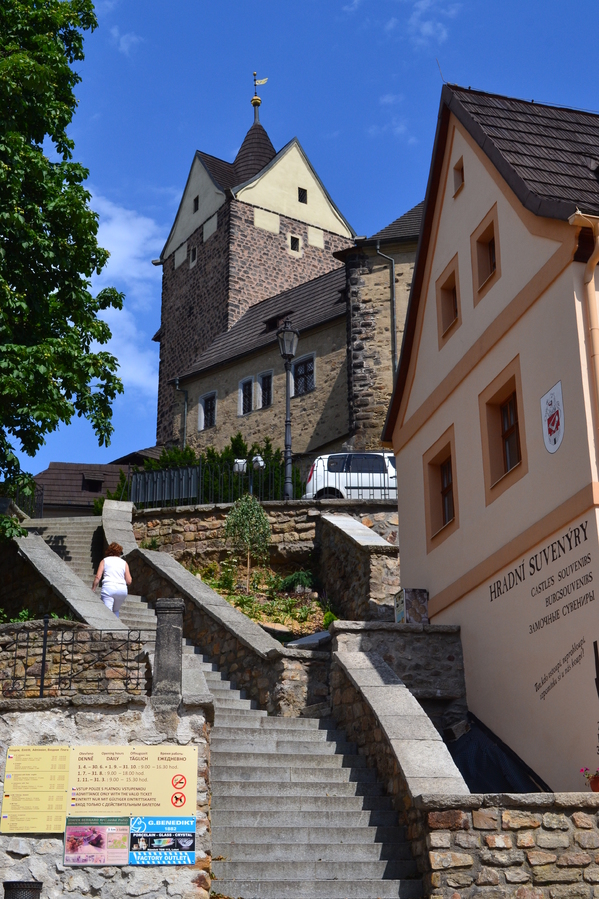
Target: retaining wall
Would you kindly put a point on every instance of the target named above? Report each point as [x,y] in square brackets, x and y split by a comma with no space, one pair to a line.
[285,682]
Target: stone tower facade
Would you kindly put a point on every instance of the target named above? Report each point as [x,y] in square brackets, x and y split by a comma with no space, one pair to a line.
[244,232]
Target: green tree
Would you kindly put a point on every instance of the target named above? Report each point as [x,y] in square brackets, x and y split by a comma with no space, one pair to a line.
[248,529]
[50,366]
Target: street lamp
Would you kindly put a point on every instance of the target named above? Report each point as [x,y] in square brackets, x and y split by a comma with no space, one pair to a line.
[288,338]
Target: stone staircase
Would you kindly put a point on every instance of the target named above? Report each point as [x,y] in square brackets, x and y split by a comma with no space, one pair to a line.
[77,541]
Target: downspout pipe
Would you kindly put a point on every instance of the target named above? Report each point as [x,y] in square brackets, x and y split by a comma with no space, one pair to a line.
[184,392]
[591,221]
[393,311]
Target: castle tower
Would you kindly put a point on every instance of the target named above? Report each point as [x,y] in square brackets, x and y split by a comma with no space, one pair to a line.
[244,231]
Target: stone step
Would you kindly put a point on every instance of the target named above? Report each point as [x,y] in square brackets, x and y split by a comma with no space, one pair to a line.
[270,789]
[238,716]
[333,818]
[312,871]
[284,732]
[317,836]
[275,744]
[226,703]
[286,760]
[320,889]
[322,802]
[254,774]
[329,852]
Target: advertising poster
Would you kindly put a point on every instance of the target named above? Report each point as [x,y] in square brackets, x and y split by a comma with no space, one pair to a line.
[162,841]
[96,841]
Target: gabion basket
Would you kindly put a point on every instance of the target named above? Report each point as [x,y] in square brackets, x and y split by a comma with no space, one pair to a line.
[22,889]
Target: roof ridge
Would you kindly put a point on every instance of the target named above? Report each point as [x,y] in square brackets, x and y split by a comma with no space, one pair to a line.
[541,103]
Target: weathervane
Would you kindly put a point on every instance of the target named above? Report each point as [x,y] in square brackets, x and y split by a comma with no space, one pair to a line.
[256,101]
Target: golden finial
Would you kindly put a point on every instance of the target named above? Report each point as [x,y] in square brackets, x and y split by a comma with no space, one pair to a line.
[256,101]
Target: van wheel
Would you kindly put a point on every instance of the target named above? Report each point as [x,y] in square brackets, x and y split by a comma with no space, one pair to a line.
[329,493]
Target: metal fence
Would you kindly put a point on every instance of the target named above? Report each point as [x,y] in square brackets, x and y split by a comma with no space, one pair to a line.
[58,661]
[31,504]
[355,476]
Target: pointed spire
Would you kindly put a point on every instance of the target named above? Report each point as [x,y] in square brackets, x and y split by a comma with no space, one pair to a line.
[256,101]
[256,150]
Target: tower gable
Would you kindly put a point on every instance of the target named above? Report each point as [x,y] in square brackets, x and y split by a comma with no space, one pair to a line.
[276,188]
[210,197]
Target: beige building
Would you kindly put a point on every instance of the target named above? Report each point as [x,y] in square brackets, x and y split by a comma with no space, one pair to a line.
[494,419]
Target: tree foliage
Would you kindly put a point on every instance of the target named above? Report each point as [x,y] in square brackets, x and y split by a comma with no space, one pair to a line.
[248,529]
[50,366]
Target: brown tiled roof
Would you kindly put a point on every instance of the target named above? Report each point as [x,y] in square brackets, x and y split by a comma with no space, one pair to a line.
[138,457]
[406,226]
[64,483]
[548,155]
[254,154]
[308,305]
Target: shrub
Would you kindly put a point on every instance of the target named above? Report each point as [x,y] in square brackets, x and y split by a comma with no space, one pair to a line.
[248,529]
[328,619]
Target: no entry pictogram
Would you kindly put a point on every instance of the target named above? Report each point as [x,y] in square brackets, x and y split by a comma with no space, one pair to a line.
[179,781]
[178,799]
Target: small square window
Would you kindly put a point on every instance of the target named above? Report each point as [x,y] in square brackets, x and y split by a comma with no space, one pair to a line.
[441,509]
[207,412]
[303,376]
[266,390]
[196,204]
[458,176]
[302,195]
[294,244]
[502,431]
[485,255]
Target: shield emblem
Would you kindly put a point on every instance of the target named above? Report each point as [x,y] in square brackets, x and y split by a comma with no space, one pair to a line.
[552,418]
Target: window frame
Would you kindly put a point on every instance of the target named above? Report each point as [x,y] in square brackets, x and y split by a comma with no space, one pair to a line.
[202,413]
[450,271]
[193,256]
[242,382]
[433,459]
[478,242]
[490,400]
[300,361]
[458,177]
[304,191]
[261,375]
[297,237]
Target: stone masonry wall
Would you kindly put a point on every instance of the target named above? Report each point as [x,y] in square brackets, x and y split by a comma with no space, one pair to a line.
[22,586]
[261,264]
[526,846]
[360,580]
[113,721]
[319,417]
[200,529]
[284,684]
[428,658]
[194,312]
[79,661]
[370,376]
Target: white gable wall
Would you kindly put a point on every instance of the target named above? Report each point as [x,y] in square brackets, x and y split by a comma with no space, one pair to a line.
[276,190]
[210,198]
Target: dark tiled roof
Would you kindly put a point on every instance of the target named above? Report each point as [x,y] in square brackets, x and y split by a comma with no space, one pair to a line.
[254,154]
[553,152]
[64,483]
[310,304]
[407,225]
[138,457]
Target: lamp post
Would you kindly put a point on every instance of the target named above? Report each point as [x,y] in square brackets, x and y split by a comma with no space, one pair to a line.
[288,338]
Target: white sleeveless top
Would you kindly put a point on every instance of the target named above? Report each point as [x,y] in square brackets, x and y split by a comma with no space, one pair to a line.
[113,579]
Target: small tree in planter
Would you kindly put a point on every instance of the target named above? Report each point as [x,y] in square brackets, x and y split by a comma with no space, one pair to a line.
[248,529]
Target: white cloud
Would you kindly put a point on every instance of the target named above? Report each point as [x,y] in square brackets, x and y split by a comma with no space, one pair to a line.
[391,25]
[396,127]
[133,240]
[427,24]
[390,99]
[124,42]
[352,7]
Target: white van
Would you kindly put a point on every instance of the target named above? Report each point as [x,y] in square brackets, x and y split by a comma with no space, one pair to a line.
[352,476]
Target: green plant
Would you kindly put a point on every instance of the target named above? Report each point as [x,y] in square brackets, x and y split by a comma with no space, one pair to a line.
[228,572]
[149,544]
[209,572]
[328,619]
[3,617]
[588,774]
[297,579]
[303,613]
[24,615]
[66,616]
[273,584]
[248,529]
[10,527]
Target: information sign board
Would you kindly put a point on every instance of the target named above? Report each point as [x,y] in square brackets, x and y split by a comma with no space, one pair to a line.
[35,789]
[132,780]
[96,841]
[162,841]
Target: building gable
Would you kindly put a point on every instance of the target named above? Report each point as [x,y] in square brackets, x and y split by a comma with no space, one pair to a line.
[277,189]
[202,191]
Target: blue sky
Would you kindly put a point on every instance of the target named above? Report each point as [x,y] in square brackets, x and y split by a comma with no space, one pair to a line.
[357,81]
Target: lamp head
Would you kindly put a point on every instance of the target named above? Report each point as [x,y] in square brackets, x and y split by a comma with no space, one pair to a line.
[288,338]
